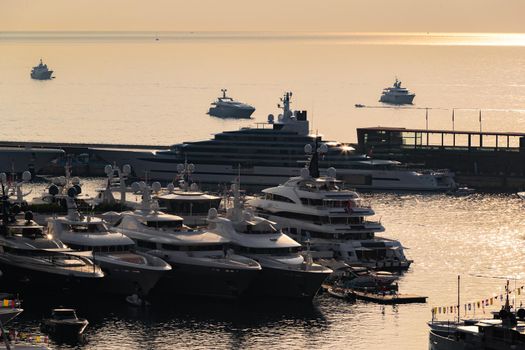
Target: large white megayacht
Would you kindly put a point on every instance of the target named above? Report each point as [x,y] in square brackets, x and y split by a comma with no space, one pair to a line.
[203,264]
[285,272]
[128,272]
[319,210]
[268,154]
[397,95]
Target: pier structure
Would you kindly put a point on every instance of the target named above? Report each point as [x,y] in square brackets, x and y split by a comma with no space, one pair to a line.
[484,160]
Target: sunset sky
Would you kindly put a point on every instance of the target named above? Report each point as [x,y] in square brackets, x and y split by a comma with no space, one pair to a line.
[268,15]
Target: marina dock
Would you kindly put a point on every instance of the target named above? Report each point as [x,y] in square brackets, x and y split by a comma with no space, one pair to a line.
[483,160]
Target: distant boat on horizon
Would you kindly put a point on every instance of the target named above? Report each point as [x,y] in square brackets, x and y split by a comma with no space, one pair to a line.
[41,72]
[397,95]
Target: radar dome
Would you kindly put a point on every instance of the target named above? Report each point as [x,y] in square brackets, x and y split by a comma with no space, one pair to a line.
[308,148]
[156,186]
[53,190]
[26,176]
[180,167]
[331,172]
[212,214]
[108,170]
[170,187]
[135,187]
[234,187]
[305,173]
[75,181]
[194,187]
[271,118]
[191,167]
[78,189]
[323,148]
[126,169]
[142,185]
[72,192]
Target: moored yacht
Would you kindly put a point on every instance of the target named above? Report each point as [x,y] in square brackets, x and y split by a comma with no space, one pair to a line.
[227,107]
[33,259]
[397,95]
[268,154]
[319,210]
[127,271]
[202,263]
[41,72]
[285,272]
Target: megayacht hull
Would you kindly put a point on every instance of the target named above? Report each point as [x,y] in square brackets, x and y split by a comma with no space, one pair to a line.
[124,280]
[164,168]
[207,281]
[296,284]
[397,99]
[27,280]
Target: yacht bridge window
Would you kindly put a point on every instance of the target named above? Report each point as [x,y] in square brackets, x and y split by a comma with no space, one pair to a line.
[165,224]
[89,228]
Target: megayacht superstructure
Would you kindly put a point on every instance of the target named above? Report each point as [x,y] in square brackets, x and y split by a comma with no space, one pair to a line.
[269,153]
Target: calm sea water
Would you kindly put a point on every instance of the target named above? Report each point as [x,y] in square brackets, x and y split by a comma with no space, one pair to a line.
[134,89]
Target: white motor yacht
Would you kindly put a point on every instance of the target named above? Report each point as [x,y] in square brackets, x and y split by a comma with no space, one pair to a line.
[268,154]
[227,107]
[32,259]
[202,263]
[127,271]
[333,219]
[285,272]
[41,72]
[397,95]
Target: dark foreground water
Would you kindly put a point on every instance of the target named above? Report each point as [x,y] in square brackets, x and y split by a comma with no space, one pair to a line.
[480,237]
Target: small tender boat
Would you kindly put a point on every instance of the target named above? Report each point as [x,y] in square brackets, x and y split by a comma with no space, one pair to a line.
[359,105]
[64,323]
[341,293]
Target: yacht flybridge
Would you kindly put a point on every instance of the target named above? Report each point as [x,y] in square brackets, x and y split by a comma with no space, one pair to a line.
[269,154]
[317,209]
[128,272]
[285,273]
[203,264]
[227,107]
[397,95]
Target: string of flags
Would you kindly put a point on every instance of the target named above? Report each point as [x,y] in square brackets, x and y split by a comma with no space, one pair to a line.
[8,303]
[27,337]
[476,305]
